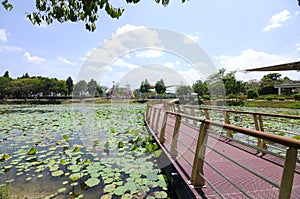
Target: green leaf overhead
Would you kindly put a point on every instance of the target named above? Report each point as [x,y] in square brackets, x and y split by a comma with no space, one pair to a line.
[48,11]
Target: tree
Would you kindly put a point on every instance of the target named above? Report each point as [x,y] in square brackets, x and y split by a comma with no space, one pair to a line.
[91,87]
[160,87]
[183,90]
[80,88]
[252,94]
[4,87]
[62,11]
[266,84]
[6,74]
[145,87]
[100,90]
[200,88]
[70,85]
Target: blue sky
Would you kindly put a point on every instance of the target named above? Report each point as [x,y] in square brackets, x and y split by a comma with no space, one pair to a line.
[235,35]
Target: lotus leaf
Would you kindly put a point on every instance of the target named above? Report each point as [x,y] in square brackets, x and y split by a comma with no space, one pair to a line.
[57,173]
[160,194]
[91,182]
[120,190]
[61,190]
[109,188]
[32,151]
[106,196]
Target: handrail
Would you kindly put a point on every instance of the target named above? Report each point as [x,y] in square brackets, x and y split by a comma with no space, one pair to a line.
[294,143]
[247,112]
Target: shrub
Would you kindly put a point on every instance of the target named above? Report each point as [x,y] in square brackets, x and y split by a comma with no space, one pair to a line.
[231,96]
[242,97]
[235,103]
[297,97]
[251,94]
[297,137]
[270,98]
[206,97]
[281,98]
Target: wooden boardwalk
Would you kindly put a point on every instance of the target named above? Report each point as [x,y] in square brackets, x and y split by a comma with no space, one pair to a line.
[230,169]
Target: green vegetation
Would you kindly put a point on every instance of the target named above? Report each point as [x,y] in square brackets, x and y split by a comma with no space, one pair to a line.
[82,151]
[274,104]
[5,192]
[48,11]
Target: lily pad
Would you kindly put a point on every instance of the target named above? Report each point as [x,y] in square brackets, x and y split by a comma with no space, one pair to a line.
[91,182]
[57,173]
[32,151]
[120,190]
[160,194]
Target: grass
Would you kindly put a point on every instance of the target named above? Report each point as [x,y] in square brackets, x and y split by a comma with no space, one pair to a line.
[273,104]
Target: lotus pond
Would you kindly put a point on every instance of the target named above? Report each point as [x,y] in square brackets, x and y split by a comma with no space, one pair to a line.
[78,151]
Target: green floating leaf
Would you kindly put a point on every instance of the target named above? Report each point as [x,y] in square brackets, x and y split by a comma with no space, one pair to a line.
[126,196]
[106,196]
[92,182]
[61,190]
[76,149]
[65,137]
[120,144]
[120,190]
[109,188]
[160,194]
[75,176]
[4,157]
[32,151]
[57,173]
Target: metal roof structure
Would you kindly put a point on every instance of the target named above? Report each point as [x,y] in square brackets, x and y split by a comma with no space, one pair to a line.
[280,67]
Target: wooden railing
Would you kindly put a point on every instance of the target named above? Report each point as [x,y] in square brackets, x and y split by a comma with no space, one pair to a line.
[259,121]
[158,119]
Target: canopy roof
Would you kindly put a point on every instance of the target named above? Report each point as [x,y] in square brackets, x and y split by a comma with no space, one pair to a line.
[280,67]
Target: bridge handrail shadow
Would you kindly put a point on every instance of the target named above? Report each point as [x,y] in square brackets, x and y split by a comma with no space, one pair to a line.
[159,117]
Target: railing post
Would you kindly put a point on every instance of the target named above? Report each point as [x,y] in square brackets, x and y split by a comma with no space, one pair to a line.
[153,118]
[162,138]
[206,114]
[149,114]
[185,112]
[157,121]
[196,178]
[193,113]
[259,142]
[288,174]
[227,121]
[173,150]
[261,127]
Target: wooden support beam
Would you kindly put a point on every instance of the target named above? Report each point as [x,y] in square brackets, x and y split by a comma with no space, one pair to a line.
[173,149]
[196,179]
[288,174]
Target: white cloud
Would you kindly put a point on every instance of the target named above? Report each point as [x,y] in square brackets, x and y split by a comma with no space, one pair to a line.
[150,53]
[64,60]
[10,48]
[190,39]
[190,75]
[297,13]
[126,28]
[277,20]
[298,47]
[33,59]
[249,59]
[122,63]
[3,35]
[172,64]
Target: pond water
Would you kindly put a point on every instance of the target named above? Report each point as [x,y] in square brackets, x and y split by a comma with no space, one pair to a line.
[78,151]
